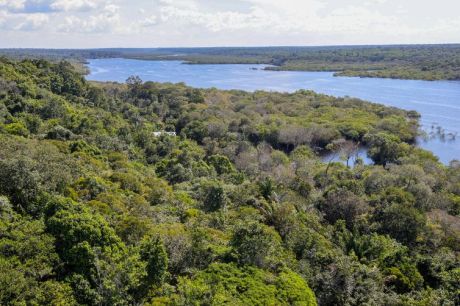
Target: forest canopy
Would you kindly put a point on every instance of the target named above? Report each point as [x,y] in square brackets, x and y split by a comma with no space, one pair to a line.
[98,208]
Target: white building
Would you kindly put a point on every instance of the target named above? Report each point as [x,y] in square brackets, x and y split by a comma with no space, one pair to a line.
[160,133]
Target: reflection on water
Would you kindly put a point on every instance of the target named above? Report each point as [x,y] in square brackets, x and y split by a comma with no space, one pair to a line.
[438,102]
[438,132]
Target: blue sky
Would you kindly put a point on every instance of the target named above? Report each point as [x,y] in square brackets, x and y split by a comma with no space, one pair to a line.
[181,23]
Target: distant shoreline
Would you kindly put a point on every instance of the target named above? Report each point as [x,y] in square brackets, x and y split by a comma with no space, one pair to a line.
[408,62]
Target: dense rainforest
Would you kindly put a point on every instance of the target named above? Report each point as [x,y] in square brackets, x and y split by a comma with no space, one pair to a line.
[420,62]
[100,206]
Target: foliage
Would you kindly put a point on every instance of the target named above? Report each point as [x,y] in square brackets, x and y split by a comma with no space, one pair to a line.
[227,284]
[238,208]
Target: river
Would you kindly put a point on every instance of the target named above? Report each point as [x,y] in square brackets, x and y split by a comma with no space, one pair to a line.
[437,101]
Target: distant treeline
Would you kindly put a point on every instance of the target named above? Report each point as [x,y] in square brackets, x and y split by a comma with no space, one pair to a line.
[423,62]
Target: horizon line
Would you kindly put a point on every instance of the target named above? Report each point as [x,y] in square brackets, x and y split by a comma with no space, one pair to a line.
[241,46]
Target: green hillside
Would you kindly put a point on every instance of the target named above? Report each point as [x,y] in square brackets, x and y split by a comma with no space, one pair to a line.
[236,209]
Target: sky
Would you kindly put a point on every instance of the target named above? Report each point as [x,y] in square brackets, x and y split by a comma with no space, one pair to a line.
[195,23]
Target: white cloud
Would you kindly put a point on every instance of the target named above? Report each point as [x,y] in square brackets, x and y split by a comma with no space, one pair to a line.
[76,5]
[276,16]
[12,4]
[149,21]
[106,21]
[22,22]
[32,22]
[3,16]
[188,13]
[49,6]
[236,22]
[79,5]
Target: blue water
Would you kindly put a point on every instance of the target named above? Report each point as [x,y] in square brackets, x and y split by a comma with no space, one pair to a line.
[437,101]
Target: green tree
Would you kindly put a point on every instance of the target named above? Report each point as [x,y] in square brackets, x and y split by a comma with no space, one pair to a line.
[99,266]
[385,148]
[226,284]
[221,163]
[154,254]
[215,197]
[402,222]
[255,244]
[342,204]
